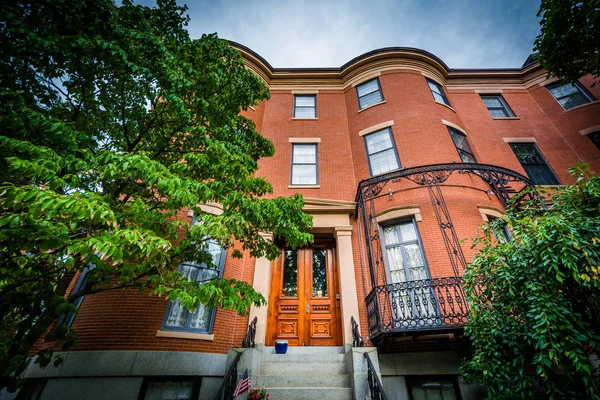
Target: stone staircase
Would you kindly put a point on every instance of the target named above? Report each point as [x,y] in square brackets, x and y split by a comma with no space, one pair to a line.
[305,373]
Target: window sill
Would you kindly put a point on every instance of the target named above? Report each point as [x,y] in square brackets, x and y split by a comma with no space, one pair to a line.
[445,105]
[583,105]
[305,119]
[304,186]
[185,335]
[372,105]
[509,118]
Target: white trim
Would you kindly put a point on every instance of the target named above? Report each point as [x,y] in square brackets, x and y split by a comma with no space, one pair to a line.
[587,131]
[548,81]
[360,80]
[377,127]
[304,140]
[489,91]
[305,119]
[185,335]
[489,210]
[445,105]
[305,91]
[519,139]
[304,186]
[453,125]
[400,212]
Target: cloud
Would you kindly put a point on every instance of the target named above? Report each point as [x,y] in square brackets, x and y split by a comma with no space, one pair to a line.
[303,33]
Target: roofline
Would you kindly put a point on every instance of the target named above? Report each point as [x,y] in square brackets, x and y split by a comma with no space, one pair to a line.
[379,51]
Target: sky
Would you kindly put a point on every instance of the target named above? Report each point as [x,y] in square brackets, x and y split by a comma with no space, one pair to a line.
[325,33]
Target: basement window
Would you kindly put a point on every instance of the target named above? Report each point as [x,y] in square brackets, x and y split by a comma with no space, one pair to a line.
[176,388]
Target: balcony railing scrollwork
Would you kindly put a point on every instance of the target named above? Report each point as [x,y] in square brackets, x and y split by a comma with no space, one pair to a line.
[423,305]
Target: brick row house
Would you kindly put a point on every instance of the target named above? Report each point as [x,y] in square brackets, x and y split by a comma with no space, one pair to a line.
[398,158]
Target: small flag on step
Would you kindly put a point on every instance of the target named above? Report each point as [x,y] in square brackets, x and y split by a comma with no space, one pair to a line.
[242,385]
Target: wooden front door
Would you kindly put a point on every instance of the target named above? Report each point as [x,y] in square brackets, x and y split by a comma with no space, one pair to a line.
[304,304]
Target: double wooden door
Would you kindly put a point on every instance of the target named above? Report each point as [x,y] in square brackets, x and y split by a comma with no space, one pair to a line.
[304,303]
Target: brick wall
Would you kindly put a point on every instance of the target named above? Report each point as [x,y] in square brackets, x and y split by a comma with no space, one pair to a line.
[128,320]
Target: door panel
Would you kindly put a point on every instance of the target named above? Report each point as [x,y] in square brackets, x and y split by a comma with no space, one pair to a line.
[303,304]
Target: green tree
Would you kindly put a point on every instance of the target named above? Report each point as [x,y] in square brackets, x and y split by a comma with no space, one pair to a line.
[534,300]
[569,41]
[112,120]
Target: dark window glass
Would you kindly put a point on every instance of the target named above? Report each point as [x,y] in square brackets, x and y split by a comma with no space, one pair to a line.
[33,388]
[319,273]
[534,164]
[68,319]
[381,152]
[369,93]
[462,146]
[501,231]
[305,106]
[304,164]
[426,388]
[178,317]
[497,106]
[170,388]
[438,92]
[570,95]
[290,273]
[595,138]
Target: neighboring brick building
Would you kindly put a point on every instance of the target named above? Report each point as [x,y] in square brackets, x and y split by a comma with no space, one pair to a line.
[386,232]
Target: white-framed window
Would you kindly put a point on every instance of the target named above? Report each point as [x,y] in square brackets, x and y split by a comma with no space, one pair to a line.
[497,106]
[462,145]
[178,317]
[369,93]
[305,162]
[437,91]
[570,95]
[381,152]
[305,106]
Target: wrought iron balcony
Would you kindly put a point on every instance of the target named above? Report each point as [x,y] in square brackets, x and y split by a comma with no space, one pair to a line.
[415,307]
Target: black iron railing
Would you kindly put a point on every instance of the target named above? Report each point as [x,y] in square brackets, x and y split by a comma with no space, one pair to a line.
[248,341]
[375,387]
[357,340]
[230,380]
[228,386]
[413,306]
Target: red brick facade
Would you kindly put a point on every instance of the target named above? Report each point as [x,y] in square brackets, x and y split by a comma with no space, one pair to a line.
[128,320]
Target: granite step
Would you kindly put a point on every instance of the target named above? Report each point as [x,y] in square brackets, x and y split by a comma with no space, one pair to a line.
[299,368]
[310,393]
[308,350]
[294,381]
[303,358]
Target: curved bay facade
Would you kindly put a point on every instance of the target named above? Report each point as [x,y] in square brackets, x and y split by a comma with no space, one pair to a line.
[399,158]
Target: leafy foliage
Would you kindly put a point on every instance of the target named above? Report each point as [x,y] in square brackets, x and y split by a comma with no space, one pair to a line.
[569,42]
[113,121]
[535,299]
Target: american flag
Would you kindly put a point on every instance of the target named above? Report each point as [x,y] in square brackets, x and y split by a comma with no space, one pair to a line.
[242,385]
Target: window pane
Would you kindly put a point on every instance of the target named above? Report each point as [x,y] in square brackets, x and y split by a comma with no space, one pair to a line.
[595,138]
[304,113]
[319,273]
[526,154]
[169,391]
[408,232]
[533,164]
[367,88]
[430,389]
[177,315]
[290,273]
[394,256]
[383,162]
[434,87]
[304,175]
[379,141]
[369,99]
[305,101]
[492,101]
[564,90]
[415,262]
[440,98]
[574,100]
[540,174]
[304,154]
[499,113]
[390,235]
